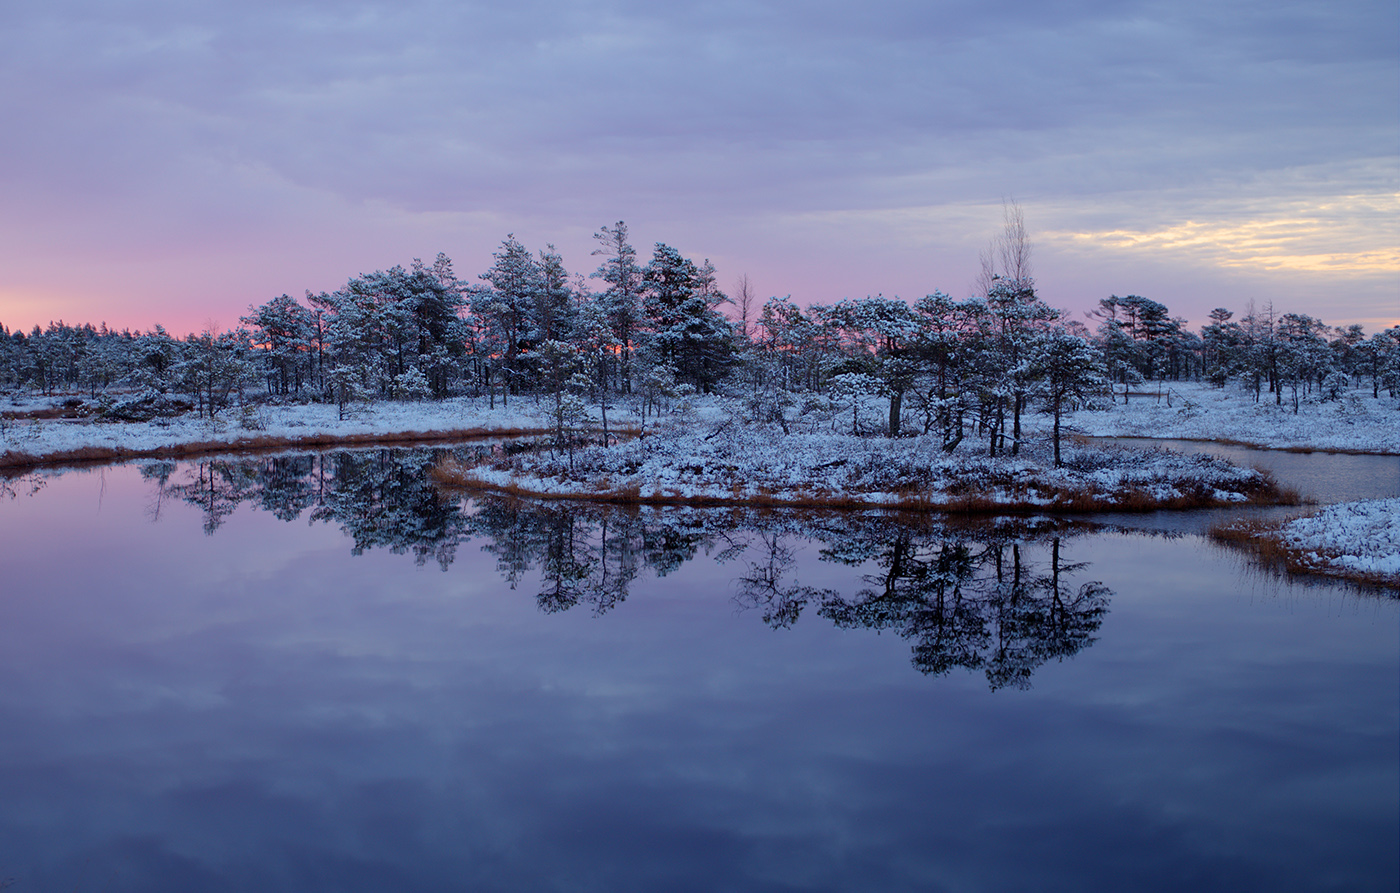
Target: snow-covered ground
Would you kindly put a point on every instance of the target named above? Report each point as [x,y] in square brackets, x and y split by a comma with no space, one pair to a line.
[694,461]
[1360,537]
[1189,410]
[25,439]
[1354,540]
[1184,410]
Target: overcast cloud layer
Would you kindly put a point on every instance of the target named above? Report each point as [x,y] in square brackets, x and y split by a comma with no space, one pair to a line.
[175,161]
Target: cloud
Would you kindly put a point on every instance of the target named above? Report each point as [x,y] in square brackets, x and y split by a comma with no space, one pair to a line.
[153,127]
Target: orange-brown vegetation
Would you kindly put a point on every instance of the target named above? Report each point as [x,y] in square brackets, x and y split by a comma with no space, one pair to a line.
[1266,542]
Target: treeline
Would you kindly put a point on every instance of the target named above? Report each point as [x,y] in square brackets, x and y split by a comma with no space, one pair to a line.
[646,332]
[1290,354]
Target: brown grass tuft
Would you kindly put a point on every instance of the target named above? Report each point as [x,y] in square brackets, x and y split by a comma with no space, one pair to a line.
[1265,542]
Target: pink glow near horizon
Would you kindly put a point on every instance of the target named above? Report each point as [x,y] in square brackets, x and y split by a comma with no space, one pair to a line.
[174,167]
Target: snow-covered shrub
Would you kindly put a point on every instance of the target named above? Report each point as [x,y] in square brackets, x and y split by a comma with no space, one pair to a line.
[252,417]
[1333,385]
[145,406]
[412,385]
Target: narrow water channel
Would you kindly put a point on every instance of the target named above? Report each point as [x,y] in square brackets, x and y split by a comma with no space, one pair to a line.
[1319,478]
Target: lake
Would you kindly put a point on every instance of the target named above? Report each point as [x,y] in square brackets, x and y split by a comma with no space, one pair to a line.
[317,672]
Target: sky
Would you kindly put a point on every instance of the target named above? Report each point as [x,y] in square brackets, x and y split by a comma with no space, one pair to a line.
[174,162]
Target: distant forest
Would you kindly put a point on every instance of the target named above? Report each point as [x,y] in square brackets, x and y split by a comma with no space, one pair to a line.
[648,332]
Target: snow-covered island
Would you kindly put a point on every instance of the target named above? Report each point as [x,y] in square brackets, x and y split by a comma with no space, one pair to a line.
[725,462]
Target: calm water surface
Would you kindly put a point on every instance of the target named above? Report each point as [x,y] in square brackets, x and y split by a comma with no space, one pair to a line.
[314,673]
[1323,478]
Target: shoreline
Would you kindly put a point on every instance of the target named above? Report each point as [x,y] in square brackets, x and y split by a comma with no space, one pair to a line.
[1082,437]
[1310,545]
[737,465]
[12,461]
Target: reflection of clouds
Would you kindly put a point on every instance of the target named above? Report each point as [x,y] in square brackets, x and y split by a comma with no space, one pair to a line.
[258,710]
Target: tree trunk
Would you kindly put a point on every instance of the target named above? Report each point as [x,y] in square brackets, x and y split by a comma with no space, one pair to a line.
[1016,424]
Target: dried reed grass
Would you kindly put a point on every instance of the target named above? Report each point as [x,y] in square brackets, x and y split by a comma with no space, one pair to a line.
[1265,541]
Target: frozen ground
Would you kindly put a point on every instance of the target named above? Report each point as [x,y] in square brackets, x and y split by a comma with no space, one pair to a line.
[1359,537]
[1355,540]
[1188,410]
[724,461]
[54,438]
[1183,410]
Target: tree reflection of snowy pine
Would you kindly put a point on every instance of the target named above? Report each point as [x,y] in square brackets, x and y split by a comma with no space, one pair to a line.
[1000,596]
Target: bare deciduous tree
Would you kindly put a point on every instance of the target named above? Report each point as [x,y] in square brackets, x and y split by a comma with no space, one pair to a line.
[744,300]
[1008,255]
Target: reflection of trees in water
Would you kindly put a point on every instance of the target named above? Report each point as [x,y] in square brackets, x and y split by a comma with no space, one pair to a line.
[584,553]
[997,601]
[379,498]
[11,485]
[970,600]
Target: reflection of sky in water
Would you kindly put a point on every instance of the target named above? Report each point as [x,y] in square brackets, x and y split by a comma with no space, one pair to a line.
[1319,478]
[1323,477]
[258,710]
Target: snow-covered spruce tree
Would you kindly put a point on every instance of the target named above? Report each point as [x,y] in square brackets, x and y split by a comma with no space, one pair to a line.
[435,300]
[882,332]
[10,348]
[797,343]
[556,309]
[351,345]
[103,362]
[1382,361]
[1260,351]
[1220,347]
[1141,341]
[507,311]
[944,325]
[1304,358]
[620,302]
[1019,317]
[212,367]
[43,359]
[388,327]
[281,329]
[686,332]
[1348,349]
[598,348]
[558,362]
[156,354]
[1390,370]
